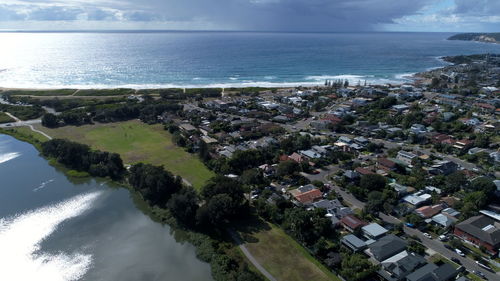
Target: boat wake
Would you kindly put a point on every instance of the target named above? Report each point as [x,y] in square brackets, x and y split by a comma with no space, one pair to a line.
[42,185]
[8,156]
[20,238]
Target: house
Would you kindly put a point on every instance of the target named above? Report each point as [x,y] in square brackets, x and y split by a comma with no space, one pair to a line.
[417,199]
[480,231]
[373,231]
[450,212]
[429,211]
[298,158]
[433,272]
[398,108]
[418,129]
[187,128]
[311,154]
[354,243]
[351,175]
[399,188]
[309,197]
[386,164]
[406,157]
[386,247]
[363,171]
[397,267]
[443,220]
[443,167]
[351,223]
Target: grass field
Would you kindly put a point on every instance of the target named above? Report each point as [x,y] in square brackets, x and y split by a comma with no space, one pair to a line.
[138,142]
[56,92]
[282,256]
[4,118]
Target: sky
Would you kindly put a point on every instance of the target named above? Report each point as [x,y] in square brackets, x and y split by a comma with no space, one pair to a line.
[253,15]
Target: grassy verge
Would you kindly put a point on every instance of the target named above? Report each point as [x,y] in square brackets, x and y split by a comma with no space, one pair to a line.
[105,92]
[26,135]
[59,92]
[280,255]
[138,142]
[4,118]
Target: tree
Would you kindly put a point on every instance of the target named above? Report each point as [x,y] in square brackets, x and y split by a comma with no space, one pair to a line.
[356,267]
[414,246]
[203,151]
[252,177]
[49,120]
[372,182]
[288,168]
[455,182]
[306,226]
[183,205]
[375,202]
[483,184]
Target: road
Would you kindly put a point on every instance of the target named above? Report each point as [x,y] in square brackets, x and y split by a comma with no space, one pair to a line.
[20,123]
[432,244]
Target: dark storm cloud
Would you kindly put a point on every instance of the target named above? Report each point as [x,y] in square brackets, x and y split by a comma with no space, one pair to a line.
[290,14]
[281,15]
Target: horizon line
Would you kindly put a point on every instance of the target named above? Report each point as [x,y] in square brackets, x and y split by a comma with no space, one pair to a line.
[209,31]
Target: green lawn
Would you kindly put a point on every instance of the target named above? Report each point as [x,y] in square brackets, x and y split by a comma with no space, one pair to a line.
[4,118]
[138,142]
[282,256]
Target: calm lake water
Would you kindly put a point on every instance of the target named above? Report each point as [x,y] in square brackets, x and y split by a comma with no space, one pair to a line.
[219,59]
[53,229]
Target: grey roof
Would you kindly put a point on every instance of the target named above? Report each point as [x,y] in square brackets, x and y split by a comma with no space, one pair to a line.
[442,220]
[354,241]
[387,246]
[328,204]
[306,188]
[374,229]
[400,265]
[483,228]
[432,272]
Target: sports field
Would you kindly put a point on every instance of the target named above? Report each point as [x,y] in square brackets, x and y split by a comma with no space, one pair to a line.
[138,142]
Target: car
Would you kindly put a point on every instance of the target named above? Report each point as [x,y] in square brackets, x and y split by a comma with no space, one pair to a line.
[448,247]
[411,225]
[459,252]
[484,266]
[443,238]
[455,260]
[479,273]
[427,235]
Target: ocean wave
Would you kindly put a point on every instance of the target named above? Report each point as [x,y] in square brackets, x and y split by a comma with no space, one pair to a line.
[8,156]
[42,185]
[404,76]
[308,81]
[21,236]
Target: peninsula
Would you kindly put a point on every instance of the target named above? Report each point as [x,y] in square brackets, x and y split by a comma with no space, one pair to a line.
[479,37]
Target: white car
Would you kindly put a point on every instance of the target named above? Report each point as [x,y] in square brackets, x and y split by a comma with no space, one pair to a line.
[427,235]
[460,253]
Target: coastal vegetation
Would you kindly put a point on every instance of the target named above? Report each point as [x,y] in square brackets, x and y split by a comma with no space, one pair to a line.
[23,112]
[4,118]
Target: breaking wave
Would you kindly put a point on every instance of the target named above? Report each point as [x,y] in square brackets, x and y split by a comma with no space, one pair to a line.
[21,236]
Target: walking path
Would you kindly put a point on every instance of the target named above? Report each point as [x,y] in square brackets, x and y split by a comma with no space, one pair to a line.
[249,256]
[20,123]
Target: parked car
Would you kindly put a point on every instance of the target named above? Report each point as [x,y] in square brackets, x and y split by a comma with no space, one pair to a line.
[459,252]
[411,225]
[443,238]
[479,273]
[484,266]
[427,235]
[455,260]
[448,247]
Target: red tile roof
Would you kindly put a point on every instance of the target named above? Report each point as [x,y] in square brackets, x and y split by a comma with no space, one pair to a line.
[309,196]
[352,222]
[363,171]
[429,211]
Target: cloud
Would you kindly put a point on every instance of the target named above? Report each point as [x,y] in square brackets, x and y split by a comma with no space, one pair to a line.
[280,15]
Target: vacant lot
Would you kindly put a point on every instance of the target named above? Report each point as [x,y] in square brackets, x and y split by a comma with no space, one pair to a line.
[282,256]
[138,142]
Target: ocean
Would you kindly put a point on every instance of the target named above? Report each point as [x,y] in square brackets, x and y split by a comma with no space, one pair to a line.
[219,59]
